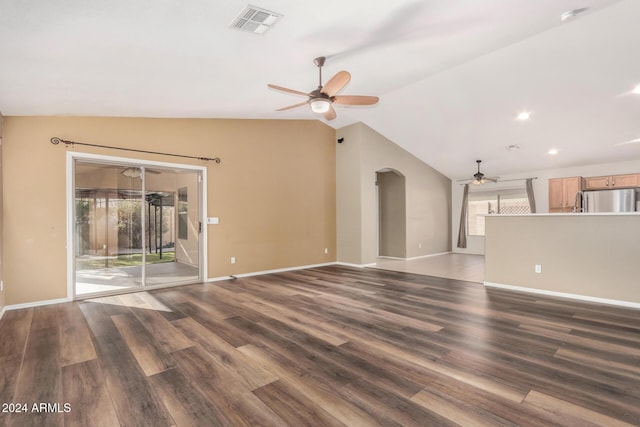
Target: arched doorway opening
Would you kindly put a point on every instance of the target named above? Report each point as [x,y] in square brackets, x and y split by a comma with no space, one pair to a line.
[392,213]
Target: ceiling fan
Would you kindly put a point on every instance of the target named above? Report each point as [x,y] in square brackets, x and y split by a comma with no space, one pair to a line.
[321,100]
[479,178]
[136,172]
[631,141]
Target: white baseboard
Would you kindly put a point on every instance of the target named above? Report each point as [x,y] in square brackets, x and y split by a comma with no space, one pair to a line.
[218,279]
[37,303]
[258,273]
[563,295]
[2,313]
[349,264]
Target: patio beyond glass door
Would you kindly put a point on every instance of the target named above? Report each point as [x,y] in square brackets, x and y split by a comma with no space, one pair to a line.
[135,227]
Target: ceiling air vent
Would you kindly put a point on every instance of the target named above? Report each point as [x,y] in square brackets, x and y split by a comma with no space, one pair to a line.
[255,20]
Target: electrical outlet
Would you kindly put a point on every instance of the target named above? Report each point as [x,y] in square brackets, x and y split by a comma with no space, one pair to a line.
[233,260]
[1,285]
[419,245]
[326,250]
[538,268]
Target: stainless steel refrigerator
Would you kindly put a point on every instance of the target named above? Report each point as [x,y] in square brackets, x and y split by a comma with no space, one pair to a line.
[610,200]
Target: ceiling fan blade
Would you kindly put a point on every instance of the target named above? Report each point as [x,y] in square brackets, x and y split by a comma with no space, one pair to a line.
[284,89]
[631,141]
[331,114]
[336,83]
[300,104]
[356,100]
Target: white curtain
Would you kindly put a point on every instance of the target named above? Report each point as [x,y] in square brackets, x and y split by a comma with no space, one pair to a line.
[462,232]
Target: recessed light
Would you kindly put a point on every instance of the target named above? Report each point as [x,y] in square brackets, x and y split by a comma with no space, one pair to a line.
[572,13]
[525,115]
[636,90]
[552,152]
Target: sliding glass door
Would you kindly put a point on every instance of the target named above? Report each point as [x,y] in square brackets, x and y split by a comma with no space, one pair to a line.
[172,226]
[135,227]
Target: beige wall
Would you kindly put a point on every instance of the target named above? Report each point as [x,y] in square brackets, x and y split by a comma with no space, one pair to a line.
[588,255]
[348,196]
[2,293]
[274,191]
[428,197]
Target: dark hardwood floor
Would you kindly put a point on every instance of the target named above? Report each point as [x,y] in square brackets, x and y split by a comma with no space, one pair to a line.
[322,347]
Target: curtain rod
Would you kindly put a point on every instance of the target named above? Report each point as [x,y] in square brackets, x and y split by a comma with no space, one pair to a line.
[506,180]
[55,141]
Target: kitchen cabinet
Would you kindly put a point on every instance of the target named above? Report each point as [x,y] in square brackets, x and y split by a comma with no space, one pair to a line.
[612,181]
[562,193]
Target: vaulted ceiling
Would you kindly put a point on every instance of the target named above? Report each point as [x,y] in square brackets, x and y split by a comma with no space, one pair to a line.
[452,75]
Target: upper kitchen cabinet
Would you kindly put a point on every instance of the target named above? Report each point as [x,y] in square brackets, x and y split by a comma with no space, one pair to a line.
[562,193]
[612,181]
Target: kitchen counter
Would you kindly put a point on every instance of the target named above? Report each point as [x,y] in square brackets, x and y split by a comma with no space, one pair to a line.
[591,256]
[569,214]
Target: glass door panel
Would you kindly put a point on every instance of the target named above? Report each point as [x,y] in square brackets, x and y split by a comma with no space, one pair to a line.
[172,226]
[108,227]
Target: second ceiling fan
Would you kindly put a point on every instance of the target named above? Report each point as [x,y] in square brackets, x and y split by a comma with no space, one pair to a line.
[322,98]
[479,178]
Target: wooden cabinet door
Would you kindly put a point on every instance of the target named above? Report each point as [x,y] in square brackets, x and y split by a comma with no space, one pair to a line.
[556,195]
[562,193]
[597,183]
[624,181]
[571,187]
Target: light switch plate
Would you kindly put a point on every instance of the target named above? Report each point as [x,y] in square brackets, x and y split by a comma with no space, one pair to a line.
[213,220]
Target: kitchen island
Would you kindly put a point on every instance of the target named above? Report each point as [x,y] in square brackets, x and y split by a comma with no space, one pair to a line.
[589,256]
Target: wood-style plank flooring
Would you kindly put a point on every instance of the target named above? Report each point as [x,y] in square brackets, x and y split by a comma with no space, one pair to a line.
[331,346]
[456,266]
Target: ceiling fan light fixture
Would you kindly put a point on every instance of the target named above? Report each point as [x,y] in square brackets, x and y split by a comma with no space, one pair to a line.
[320,105]
[131,172]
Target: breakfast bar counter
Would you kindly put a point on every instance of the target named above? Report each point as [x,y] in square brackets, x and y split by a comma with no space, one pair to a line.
[590,256]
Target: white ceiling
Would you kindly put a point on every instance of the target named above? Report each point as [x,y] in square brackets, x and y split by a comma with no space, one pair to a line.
[451,74]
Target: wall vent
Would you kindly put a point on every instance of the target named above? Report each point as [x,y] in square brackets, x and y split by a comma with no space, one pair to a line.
[255,20]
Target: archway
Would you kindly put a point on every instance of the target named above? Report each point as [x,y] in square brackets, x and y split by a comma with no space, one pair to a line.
[392,213]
